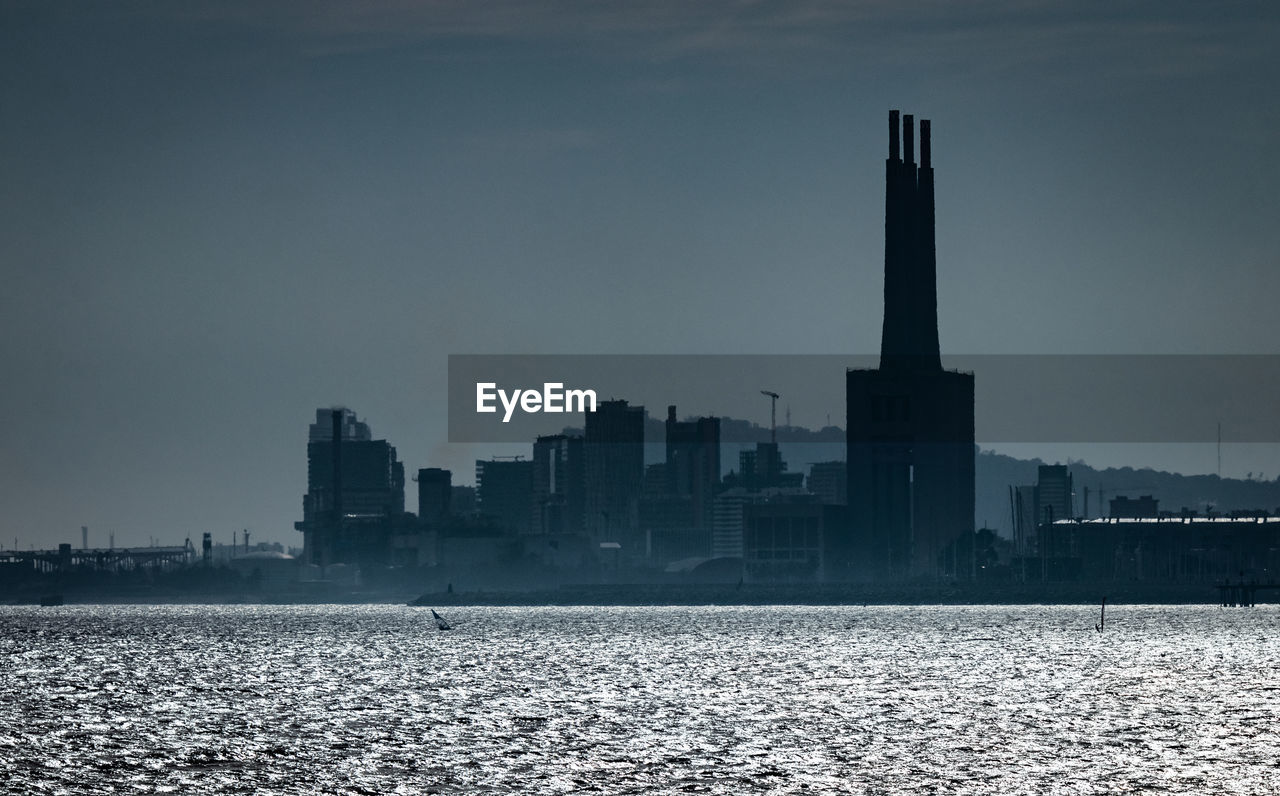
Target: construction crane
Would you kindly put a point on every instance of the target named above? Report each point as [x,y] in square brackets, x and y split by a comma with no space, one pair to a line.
[773,415]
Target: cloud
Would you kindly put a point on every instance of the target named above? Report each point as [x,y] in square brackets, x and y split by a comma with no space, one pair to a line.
[1142,38]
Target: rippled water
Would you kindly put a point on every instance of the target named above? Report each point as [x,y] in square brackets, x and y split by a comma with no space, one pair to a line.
[373,699]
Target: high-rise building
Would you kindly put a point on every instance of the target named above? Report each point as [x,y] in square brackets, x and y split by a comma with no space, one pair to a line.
[355,492]
[693,462]
[910,423]
[677,505]
[462,500]
[504,493]
[731,506]
[764,468]
[1053,493]
[830,482]
[613,453]
[726,531]
[559,483]
[435,496]
[762,476]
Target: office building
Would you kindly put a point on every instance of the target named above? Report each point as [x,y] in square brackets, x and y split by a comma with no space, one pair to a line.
[613,455]
[504,493]
[830,482]
[1053,493]
[791,538]
[435,496]
[355,492]
[693,462]
[559,485]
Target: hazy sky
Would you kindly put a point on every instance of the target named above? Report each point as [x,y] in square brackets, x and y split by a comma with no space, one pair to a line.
[216,218]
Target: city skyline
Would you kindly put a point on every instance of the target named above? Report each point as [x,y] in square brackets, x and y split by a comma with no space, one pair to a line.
[219,220]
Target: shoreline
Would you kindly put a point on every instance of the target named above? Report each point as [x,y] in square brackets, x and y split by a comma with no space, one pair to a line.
[658,595]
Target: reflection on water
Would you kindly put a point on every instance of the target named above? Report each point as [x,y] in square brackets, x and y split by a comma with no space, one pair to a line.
[374,699]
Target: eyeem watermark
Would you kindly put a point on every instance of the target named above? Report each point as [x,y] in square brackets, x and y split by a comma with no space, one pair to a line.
[553,399]
[1018,398]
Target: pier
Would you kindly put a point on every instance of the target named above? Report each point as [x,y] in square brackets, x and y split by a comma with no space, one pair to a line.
[109,560]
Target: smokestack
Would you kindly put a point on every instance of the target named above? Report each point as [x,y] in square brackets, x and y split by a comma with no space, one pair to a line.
[893,135]
[908,138]
[84,537]
[909,337]
[924,144]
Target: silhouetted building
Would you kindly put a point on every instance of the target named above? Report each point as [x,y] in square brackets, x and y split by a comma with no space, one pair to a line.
[830,482]
[355,492]
[764,468]
[559,485]
[790,538]
[730,515]
[1053,493]
[726,531]
[613,451]
[693,462]
[1203,549]
[462,500]
[910,423]
[656,483]
[504,493]
[760,468]
[435,496]
[677,506]
[670,528]
[762,476]
[1145,507]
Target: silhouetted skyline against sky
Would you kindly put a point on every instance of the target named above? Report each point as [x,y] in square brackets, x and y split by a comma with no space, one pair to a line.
[217,218]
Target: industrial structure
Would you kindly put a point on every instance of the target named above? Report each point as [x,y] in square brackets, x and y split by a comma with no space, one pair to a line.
[122,559]
[1173,548]
[355,492]
[910,435]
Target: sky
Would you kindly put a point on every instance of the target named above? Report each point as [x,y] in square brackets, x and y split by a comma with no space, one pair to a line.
[215,218]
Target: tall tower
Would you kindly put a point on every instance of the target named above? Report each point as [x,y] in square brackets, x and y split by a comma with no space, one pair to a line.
[910,423]
[613,459]
[909,337]
[693,463]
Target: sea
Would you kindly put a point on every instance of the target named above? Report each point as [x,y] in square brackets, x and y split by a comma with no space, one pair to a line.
[374,699]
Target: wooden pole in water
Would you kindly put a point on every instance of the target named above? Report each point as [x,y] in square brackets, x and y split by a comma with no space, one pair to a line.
[1102,618]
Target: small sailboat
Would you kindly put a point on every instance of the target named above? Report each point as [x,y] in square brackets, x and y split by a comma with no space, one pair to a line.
[1102,618]
[440,621]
